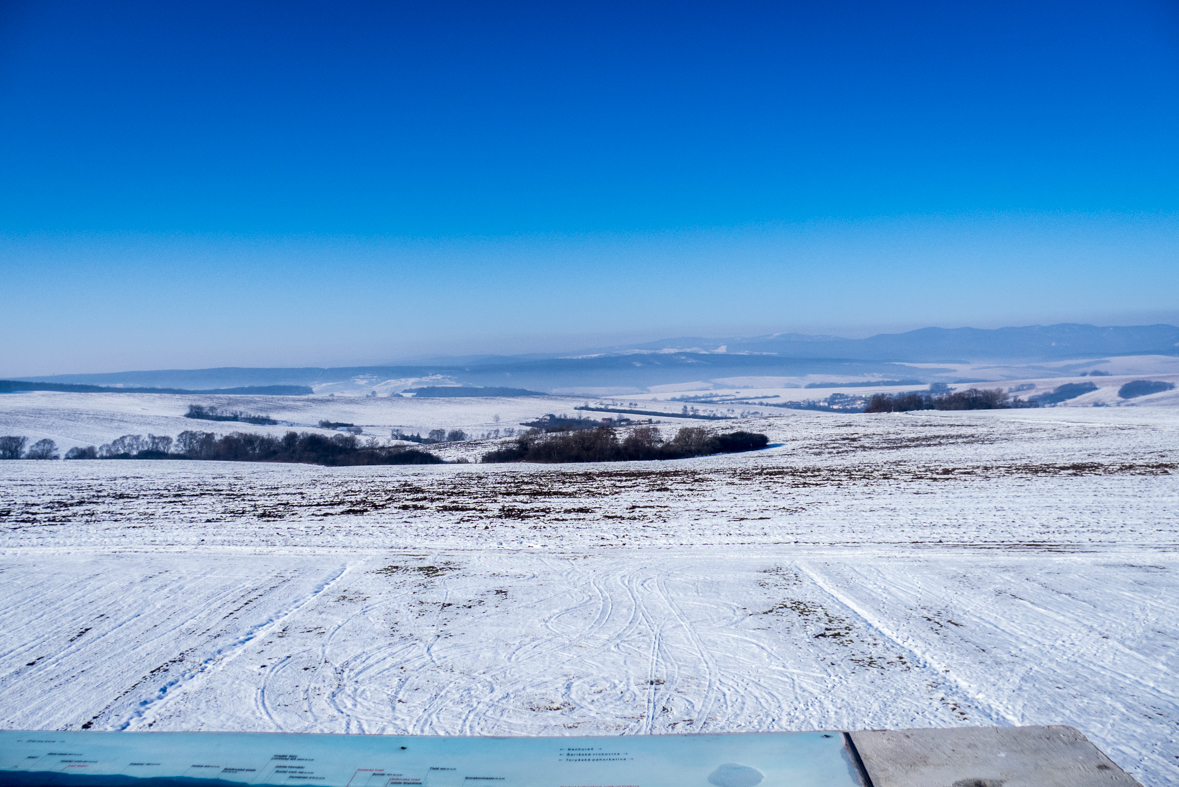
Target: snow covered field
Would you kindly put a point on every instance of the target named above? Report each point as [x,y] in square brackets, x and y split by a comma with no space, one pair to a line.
[935,569]
[72,419]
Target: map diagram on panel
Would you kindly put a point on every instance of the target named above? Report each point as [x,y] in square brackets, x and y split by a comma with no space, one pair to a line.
[100,759]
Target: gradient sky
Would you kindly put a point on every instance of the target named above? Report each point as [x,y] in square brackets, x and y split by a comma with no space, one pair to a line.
[206,184]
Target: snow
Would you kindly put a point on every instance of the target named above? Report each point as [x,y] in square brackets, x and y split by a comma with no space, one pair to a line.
[94,418]
[932,569]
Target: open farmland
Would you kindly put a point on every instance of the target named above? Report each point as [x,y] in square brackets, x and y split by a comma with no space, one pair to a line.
[1012,567]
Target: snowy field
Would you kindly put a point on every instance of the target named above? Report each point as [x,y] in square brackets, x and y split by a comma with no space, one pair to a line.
[72,419]
[935,569]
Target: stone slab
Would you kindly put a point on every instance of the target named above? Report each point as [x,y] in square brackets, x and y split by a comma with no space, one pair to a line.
[1054,756]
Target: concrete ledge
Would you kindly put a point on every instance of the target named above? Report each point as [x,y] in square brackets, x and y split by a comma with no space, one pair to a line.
[986,757]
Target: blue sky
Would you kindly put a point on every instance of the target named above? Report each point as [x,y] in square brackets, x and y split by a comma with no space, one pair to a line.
[200,184]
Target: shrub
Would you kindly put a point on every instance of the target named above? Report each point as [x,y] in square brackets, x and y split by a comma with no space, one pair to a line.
[12,447]
[736,442]
[78,452]
[43,449]
[1133,390]
[411,456]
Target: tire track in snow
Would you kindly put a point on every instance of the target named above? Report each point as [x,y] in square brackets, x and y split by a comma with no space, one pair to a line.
[426,722]
[493,683]
[703,707]
[619,648]
[615,615]
[1075,627]
[517,675]
[261,705]
[183,628]
[998,714]
[223,656]
[655,658]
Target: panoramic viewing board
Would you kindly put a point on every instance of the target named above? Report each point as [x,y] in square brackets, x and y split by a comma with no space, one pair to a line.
[66,759]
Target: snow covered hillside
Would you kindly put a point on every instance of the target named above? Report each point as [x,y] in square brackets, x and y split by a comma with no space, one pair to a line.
[932,569]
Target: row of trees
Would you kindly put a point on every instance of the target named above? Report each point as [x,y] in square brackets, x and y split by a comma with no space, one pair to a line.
[434,436]
[977,399]
[970,399]
[303,447]
[603,445]
[13,447]
[210,413]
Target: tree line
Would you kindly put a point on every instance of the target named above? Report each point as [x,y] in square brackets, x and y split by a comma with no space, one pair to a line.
[994,399]
[210,413]
[337,450]
[603,445]
[970,399]
[13,447]
[434,436]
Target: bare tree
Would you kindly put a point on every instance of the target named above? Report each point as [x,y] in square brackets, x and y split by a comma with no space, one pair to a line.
[196,445]
[690,441]
[12,447]
[438,435]
[78,452]
[43,449]
[127,445]
[642,442]
[456,435]
[161,445]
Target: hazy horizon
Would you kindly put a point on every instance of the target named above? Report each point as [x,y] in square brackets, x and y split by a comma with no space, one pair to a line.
[459,349]
[245,185]
[583,347]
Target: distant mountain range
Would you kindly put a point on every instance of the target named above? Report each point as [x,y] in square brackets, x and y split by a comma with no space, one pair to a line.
[948,345]
[689,359]
[618,372]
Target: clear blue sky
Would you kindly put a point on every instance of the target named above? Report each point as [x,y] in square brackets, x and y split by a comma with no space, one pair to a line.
[194,184]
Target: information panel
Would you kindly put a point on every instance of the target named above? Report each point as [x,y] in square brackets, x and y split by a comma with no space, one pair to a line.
[215,759]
